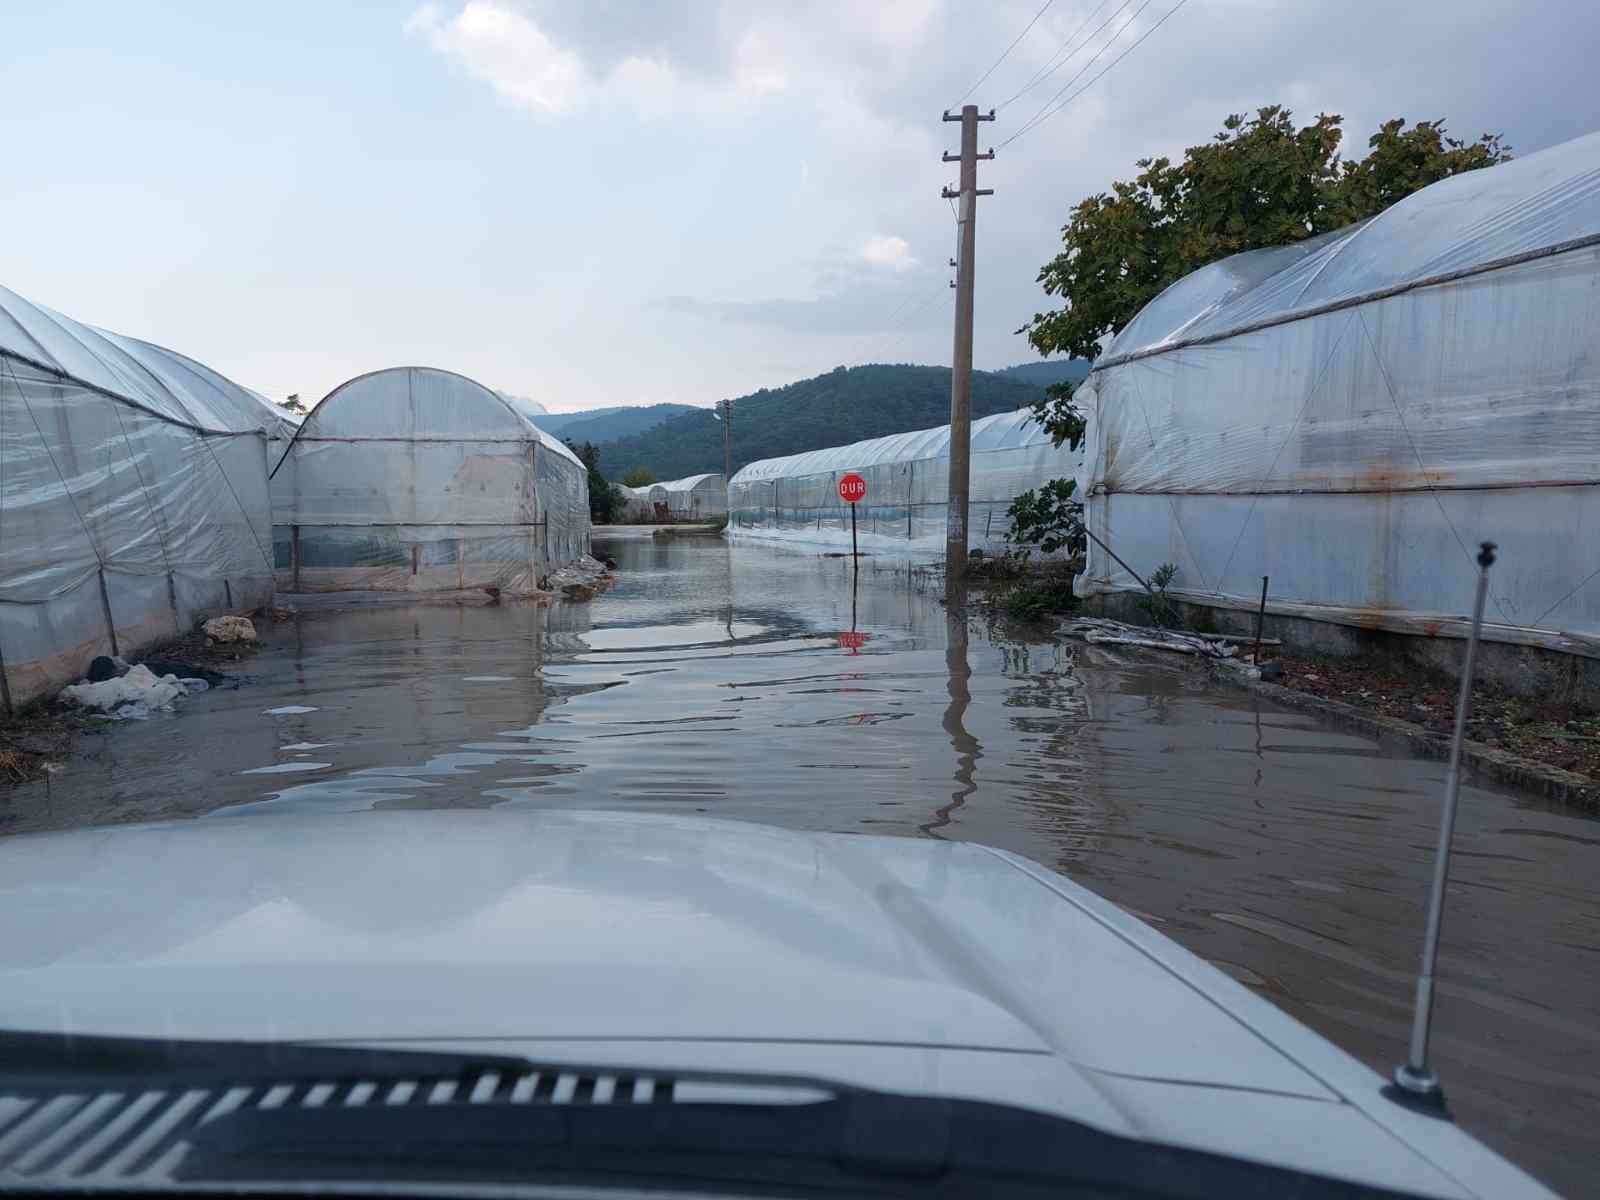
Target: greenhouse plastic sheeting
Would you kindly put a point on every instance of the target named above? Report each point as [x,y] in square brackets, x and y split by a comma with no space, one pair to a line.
[1350,417]
[796,498]
[133,495]
[695,497]
[416,479]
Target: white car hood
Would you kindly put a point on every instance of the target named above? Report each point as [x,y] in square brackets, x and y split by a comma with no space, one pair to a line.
[929,965]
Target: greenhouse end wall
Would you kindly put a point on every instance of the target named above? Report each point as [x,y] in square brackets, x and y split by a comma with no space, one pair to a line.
[636,506]
[1350,418]
[414,479]
[796,498]
[695,497]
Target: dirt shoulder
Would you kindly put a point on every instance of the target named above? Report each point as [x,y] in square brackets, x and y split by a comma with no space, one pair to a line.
[1548,746]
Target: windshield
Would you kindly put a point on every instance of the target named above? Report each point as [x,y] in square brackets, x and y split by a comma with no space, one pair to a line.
[1019,572]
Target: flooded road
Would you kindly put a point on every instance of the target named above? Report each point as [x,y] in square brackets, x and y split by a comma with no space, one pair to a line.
[755,684]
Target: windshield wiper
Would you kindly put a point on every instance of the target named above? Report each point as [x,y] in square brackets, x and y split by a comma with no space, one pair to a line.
[284,1116]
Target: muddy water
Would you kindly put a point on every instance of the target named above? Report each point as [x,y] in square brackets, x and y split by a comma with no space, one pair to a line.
[755,684]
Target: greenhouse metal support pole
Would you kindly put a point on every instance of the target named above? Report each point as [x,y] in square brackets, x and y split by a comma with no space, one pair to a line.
[955,532]
[911,495]
[105,603]
[5,687]
[1261,617]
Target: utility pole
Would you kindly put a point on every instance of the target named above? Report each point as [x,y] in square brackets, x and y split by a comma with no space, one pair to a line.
[955,530]
[727,442]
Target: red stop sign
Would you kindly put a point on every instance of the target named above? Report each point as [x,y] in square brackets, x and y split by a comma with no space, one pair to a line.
[852,488]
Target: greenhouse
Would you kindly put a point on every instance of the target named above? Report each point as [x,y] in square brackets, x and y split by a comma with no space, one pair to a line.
[636,506]
[416,479]
[694,498]
[1350,416]
[796,498]
[133,497]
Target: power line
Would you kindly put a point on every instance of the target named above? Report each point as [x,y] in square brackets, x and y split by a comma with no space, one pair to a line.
[1038,120]
[894,337]
[1008,50]
[912,295]
[1053,65]
[1067,86]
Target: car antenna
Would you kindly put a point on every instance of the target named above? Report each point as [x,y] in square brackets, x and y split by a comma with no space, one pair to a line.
[1415,1083]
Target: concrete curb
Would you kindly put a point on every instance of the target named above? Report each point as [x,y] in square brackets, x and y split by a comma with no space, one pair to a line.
[1481,761]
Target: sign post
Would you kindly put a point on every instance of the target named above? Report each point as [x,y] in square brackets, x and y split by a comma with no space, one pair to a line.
[853,490]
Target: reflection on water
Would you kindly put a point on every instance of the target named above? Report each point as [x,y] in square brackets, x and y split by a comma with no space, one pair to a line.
[776,687]
[958,677]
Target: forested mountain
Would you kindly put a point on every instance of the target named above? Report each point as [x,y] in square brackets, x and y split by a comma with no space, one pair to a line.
[606,424]
[1048,371]
[845,405]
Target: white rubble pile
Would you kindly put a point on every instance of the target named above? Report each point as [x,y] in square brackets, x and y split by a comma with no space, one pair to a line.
[133,696]
[1224,651]
[580,579]
[230,629]
[1099,631]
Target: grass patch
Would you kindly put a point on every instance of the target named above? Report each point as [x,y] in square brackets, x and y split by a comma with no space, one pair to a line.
[1015,586]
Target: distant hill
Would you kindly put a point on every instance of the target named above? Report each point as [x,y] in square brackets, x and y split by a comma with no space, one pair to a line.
[1048,371]
[845,405]
[607,424]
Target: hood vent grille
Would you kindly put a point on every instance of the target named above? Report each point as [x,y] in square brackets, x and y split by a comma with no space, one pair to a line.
[115,1137]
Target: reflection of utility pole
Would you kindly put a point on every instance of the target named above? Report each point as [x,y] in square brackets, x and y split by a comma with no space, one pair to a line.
[967,747]
[955,534]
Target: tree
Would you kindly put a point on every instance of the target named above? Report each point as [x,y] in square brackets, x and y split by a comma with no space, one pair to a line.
[1260,182]
[604,500]
[639,477]
[293,404]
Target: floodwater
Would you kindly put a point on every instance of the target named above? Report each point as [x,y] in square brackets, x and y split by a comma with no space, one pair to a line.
[755,683]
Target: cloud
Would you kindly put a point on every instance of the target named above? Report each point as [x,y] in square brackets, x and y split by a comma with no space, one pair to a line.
[506,50]
[819,126]
[887,251]
[535,65]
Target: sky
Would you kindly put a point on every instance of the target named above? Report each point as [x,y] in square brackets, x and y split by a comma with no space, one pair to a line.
[592,203]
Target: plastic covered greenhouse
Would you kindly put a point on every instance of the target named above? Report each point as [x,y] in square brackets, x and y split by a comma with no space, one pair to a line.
[695,497]
[636,506]
[416,479]
[1351,416]
[796,498]
[133,496]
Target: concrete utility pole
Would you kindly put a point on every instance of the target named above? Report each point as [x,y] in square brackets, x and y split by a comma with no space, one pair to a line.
[727,442]
[955,530]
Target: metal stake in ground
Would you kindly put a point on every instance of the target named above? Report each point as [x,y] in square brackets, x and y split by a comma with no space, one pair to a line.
[1416,1082]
